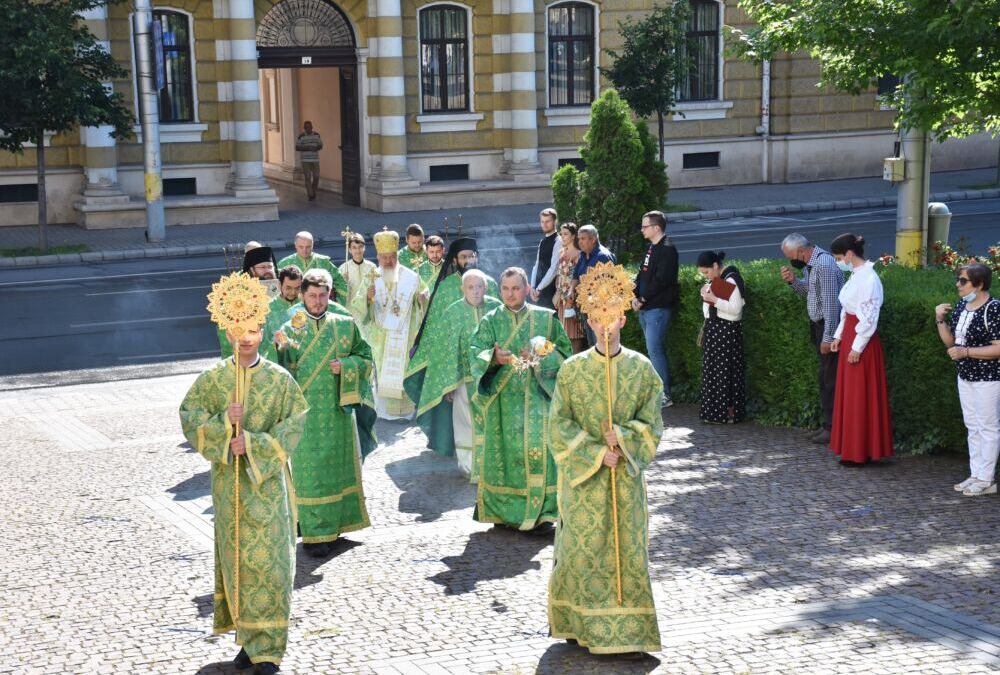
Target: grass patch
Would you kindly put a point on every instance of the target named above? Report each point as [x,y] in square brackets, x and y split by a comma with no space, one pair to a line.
[681,208]
[34,250]
[980,186]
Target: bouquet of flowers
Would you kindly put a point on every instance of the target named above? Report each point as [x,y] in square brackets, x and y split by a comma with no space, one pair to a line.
[538,348]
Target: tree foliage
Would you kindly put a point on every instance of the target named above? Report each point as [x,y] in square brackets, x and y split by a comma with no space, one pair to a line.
[653,61]
[623,179]
[946,51]
[52,75]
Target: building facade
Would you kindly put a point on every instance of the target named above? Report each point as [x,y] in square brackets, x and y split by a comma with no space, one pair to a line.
[431,104]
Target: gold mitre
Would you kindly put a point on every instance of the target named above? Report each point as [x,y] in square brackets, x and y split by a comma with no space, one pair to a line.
[605,293]
[386,241]
[238,303]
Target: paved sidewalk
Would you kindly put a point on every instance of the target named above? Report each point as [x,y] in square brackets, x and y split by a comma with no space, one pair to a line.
[767,556]
[327,217]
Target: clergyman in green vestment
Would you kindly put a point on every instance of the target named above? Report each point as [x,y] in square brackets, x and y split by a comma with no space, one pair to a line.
[332,364]
[413,255]
[433,337]
[583,595]
[306,259]
[448,378]
[430,268]
[258,262]
[514,380]
[289,282]
[356,271]
[272,414]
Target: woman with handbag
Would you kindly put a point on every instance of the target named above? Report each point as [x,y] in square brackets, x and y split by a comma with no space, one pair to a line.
[723,362]
[564,300]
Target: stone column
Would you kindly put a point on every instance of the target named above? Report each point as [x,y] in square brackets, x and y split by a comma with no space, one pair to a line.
[387,105]
[101,152]
[248,150]
[523,95]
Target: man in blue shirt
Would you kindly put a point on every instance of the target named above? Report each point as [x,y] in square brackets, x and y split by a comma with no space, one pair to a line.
[592,252]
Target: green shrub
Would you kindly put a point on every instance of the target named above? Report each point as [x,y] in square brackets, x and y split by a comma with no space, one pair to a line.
[782,366]
[565,193]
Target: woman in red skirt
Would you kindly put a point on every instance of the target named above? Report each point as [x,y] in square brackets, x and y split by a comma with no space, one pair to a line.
[862,427]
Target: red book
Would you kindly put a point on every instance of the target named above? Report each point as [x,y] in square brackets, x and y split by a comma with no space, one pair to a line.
[721,288]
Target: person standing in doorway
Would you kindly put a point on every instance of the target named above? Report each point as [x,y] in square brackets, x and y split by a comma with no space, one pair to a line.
[309,143]
[543,274]
[820,283]
[656,294]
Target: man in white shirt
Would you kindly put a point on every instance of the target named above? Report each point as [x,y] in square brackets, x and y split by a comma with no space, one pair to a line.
[309,143]
[543,274]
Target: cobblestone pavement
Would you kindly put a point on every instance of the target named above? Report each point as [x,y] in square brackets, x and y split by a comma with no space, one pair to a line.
[767,556]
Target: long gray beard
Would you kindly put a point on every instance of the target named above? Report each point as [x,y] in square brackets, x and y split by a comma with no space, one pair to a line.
[388,274]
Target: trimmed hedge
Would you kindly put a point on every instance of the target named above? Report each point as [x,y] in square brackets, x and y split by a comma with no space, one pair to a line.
[782,366]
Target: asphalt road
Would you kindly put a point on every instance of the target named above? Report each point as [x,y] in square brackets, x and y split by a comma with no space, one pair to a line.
[153,311]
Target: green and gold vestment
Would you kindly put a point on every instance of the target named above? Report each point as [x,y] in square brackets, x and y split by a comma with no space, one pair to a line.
[517,478]
[583,602]
[319,261]
[340,426]
[273,421]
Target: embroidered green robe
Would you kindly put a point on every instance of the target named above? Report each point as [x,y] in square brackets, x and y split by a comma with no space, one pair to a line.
[436,420]
[339,428]
[356,276]
[274,417]
[321,262]
[413,261]
[583,603]
[448,369]
[517,478]
[277,314]
[428,272]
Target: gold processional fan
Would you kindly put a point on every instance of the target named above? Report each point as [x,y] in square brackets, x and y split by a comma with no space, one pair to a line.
[238,304]
[604,295]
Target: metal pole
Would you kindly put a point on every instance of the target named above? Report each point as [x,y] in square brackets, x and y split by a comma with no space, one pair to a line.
[911,204]
[149,116]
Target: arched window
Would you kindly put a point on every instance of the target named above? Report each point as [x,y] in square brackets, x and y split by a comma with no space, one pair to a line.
[444,59]
[703,41]
[571,54]
[177,94]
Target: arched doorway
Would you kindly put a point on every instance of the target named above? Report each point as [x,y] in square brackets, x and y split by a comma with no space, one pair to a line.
[312,44]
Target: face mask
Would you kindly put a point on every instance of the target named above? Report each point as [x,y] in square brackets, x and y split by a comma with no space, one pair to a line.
[844,267]
[798,264]
[970,297]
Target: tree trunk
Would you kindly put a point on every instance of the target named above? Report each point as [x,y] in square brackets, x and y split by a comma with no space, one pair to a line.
[659,119]
[43,243]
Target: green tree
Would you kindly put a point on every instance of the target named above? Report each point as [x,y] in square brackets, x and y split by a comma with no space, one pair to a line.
[653,169]
[947,53]
[52,73]
[614,191]
[653,62]
[566,193]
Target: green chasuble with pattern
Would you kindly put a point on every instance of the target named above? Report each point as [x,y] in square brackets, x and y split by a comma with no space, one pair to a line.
[320,262]
[274,418]
[448,369]
[327,467]
[428,272]
[411,260]
[517,479]
[583,602]
[436,420]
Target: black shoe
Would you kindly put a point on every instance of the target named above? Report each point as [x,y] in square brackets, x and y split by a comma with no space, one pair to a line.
[266,669]
[821,437]
[542,529]
[242,661]
[317,550]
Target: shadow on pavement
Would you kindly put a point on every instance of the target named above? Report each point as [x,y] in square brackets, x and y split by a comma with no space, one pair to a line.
[204,605]
[494,554]
[566,658]
[219,668]
[306,565]
[198,485]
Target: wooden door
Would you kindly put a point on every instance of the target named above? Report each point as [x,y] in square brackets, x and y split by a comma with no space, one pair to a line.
[350,137]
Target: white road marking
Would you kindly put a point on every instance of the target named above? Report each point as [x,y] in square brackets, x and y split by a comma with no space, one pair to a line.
[128,321]
[150,290]
[170,354]
[110,276]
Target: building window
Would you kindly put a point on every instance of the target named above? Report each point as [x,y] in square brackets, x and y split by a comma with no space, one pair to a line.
[444,59]
[177,94]
[703,35]
[571,55]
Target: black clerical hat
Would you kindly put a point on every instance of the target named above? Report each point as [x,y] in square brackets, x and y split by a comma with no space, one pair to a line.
[256,256]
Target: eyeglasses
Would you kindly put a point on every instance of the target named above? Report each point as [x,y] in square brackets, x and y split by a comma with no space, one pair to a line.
[961,281]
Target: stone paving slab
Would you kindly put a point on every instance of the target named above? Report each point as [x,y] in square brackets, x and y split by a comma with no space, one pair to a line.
[767,556]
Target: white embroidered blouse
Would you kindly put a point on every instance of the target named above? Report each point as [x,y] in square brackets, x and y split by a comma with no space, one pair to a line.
[862,297]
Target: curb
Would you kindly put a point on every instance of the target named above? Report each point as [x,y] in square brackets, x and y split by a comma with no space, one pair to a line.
[517,228]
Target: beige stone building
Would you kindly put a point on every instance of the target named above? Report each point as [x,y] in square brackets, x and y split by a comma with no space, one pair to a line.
[427,104]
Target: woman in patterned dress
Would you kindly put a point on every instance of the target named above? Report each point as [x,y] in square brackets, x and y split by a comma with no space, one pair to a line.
[565,293]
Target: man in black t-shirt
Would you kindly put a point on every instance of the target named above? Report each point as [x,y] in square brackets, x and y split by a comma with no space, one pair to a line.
[657,294]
